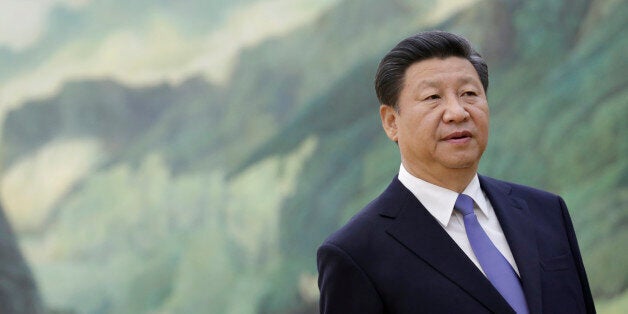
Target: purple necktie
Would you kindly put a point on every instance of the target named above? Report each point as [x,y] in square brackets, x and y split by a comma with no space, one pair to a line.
[494,264]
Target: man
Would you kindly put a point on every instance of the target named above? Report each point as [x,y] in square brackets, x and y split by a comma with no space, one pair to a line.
[441,238]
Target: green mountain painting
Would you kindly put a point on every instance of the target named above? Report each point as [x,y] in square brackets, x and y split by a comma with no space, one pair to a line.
[190,156]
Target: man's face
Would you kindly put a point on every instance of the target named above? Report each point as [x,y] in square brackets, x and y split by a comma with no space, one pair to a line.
[442,119]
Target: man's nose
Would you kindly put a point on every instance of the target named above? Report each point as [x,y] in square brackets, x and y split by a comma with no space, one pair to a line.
[454,111]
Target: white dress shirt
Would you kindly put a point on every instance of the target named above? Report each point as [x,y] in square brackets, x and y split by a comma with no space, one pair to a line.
[440,201]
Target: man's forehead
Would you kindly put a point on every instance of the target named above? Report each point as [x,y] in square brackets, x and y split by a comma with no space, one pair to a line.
[433,70]
[440,64]
[435,82]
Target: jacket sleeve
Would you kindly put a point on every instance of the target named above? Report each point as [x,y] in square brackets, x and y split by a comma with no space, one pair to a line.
[344,286]
[575,251]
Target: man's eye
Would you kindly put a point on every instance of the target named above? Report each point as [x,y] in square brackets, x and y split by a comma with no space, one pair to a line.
[469,93]
[432,97]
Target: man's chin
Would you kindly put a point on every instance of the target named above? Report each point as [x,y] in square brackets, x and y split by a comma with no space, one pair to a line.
[464,164]
[459,159]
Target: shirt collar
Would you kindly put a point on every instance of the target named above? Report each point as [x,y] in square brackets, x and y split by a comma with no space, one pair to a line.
[440,201]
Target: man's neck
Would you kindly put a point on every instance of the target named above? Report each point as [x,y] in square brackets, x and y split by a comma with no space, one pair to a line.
[452,179]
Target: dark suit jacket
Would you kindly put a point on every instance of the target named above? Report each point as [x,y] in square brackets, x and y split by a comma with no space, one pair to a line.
[394,257]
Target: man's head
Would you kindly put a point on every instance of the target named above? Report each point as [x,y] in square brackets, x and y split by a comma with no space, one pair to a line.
[432,89]
[422,46]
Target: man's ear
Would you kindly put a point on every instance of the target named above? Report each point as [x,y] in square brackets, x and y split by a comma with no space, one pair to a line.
[389,121]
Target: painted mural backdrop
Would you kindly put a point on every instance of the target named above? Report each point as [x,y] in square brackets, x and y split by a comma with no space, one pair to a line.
[189,156]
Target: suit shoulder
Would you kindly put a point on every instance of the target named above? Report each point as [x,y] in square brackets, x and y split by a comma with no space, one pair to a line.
[364,220]
[520,189]
[365,224]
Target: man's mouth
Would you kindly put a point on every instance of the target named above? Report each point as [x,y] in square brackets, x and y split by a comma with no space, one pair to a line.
[458,135]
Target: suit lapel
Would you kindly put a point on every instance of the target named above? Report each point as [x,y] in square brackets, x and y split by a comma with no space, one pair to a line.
[418,231]
[518,227]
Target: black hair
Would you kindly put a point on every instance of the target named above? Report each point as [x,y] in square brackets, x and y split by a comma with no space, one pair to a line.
[419,47]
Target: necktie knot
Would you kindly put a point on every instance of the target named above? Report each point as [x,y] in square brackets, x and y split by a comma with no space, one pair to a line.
[464,204]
